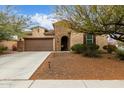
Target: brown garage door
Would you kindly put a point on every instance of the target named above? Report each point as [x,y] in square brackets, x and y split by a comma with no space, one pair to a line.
[38,44]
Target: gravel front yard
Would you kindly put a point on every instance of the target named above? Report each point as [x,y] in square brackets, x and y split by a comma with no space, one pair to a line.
[75,66]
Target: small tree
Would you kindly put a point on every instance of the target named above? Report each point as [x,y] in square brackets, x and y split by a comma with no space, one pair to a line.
[11,23]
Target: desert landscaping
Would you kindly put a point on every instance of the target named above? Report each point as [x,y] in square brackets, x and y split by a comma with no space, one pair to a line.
[72,66]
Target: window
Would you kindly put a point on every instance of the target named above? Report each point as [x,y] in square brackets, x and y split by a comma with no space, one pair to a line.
[89,39]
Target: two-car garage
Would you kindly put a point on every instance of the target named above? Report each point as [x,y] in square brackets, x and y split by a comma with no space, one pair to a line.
[39,44]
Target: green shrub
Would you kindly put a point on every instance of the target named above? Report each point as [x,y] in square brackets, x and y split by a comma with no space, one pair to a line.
[110,48]
[120,53]
[92,47]
[3,48]
[87,50]
[91,51]
[77,48]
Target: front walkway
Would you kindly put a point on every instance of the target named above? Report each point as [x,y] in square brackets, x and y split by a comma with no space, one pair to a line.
[62,84]
[20,65]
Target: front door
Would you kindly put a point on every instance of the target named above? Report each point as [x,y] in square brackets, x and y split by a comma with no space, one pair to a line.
[64,43]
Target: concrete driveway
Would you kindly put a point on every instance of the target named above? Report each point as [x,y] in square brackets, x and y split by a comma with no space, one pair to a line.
[20,65]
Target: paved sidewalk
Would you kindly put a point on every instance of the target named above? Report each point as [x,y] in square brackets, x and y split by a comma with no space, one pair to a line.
[20,65]
[15,83]
[58,84]
[78,84]
[62,84]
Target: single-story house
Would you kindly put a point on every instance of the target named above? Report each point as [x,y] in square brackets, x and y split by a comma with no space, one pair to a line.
[59,39]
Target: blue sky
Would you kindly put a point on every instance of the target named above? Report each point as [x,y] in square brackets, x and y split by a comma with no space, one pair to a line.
[41,15]
[33,9]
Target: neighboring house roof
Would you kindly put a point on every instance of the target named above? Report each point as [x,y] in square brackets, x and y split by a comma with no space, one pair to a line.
[39,27]
[47,32]
[111,41]
[50,32]
[28,32]
[39,37]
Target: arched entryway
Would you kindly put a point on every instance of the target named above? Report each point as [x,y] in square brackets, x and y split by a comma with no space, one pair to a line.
[64,43]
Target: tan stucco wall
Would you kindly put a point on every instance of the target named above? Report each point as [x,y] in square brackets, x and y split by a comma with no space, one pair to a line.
[76,38]
[61,31]
[101,41]
[53,44]
[8,44]
[38,32]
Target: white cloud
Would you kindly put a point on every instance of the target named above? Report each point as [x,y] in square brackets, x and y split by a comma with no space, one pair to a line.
[43,20]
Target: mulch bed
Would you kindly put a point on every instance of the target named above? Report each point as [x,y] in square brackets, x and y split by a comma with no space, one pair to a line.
[76,67]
